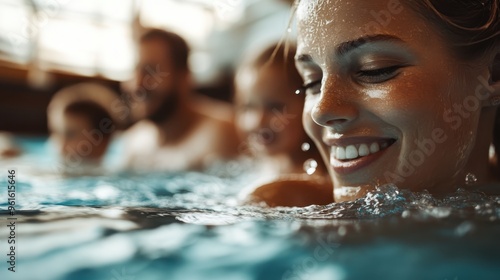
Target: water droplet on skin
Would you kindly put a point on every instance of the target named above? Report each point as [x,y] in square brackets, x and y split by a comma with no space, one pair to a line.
[310,166]
[305,147]
[470,179]
[342,231]
[464,228]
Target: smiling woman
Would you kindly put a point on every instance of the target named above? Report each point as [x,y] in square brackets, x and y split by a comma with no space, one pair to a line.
[402,92]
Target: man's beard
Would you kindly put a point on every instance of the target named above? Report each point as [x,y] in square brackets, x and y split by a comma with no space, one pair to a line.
[166,110]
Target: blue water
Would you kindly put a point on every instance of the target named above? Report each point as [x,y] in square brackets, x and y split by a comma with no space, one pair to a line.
[190,226]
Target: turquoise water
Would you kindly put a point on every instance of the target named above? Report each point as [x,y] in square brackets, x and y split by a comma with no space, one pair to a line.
[190,226]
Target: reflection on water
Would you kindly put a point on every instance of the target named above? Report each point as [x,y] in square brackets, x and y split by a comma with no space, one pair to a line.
[190,226]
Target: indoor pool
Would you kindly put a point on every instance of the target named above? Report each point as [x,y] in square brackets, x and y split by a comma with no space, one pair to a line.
[190,226]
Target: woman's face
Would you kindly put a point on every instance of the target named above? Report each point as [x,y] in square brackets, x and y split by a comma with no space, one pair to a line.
[268,112]
[386,101]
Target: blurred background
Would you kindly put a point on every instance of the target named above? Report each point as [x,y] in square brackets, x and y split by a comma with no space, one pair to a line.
[46,45]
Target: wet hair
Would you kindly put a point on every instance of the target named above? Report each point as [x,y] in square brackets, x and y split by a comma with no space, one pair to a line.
[89,110]
[473,28]
[177,47]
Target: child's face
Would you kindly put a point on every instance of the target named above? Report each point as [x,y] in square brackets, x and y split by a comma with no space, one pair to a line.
[269,112]
[76,139]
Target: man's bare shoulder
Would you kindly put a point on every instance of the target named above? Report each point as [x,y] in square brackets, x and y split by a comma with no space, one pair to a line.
[137,129]
[139,136]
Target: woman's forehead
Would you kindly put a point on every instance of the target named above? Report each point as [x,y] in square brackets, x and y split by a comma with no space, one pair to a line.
[323,24]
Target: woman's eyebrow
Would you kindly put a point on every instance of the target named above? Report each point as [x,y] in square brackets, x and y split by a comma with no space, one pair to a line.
[346,47]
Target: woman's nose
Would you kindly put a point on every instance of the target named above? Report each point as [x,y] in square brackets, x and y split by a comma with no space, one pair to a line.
[335,107]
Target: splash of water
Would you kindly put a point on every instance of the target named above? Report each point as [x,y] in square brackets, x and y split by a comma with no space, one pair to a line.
[215,196]
[310,166]
[470,179]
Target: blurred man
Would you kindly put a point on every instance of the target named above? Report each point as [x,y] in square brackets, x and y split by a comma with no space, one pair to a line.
[171,133]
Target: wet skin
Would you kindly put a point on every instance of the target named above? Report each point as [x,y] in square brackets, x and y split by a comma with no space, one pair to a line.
[397,85]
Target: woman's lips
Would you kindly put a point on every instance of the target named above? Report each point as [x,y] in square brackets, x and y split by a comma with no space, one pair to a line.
[349,155]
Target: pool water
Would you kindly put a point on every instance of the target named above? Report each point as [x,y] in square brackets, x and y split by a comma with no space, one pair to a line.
[125,226]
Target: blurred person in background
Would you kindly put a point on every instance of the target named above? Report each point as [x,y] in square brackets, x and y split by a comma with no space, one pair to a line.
[81,124]
[269,122]
[172,132]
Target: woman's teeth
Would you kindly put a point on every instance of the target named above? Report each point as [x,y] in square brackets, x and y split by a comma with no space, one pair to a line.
[356,151]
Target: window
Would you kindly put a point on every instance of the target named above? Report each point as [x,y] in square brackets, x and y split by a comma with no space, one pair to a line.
[96,37]
[90,37]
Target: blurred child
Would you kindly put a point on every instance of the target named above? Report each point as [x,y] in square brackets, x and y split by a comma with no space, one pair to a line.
[269,121]
[81,124]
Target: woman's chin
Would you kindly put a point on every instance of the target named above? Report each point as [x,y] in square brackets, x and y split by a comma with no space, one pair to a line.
[352,192]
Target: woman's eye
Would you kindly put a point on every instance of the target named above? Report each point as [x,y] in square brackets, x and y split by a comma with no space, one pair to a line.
[378,75]
[312,87]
